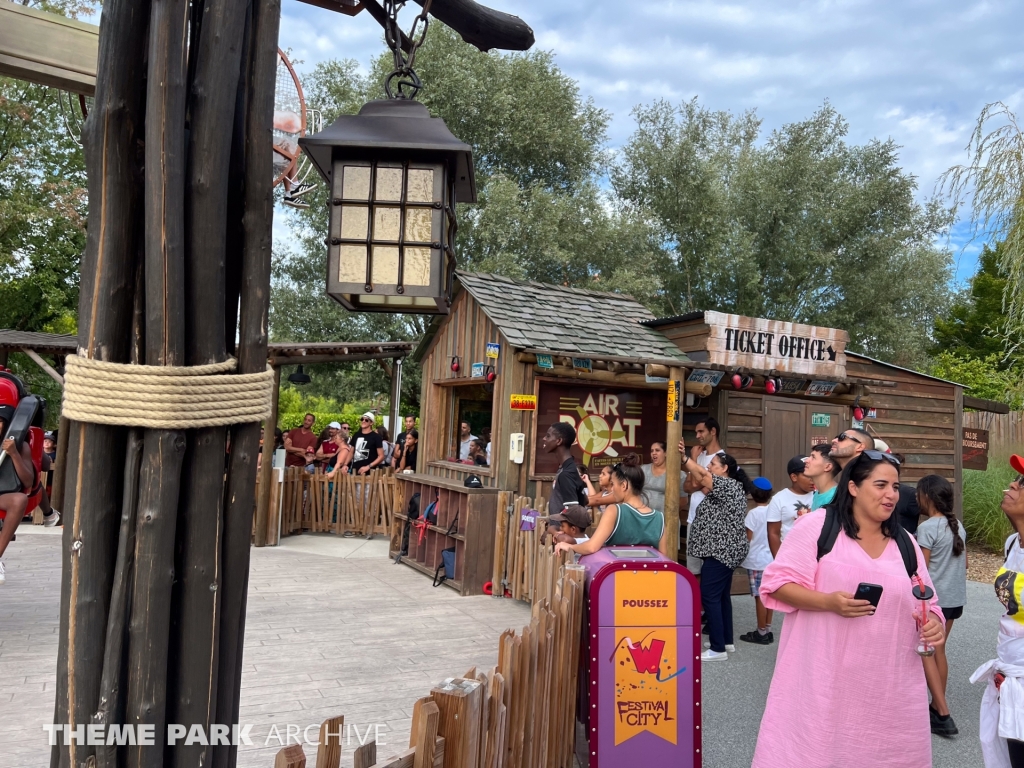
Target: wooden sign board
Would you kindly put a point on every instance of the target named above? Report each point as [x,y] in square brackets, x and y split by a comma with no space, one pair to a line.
[610,421]
[735,341]
[975,448]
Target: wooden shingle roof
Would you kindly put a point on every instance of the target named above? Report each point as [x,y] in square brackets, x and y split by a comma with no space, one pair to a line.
[559,319]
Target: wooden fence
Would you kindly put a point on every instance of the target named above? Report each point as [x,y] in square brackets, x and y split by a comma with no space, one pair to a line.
[1005,430]
[525,567]
[357,504]
[517,714]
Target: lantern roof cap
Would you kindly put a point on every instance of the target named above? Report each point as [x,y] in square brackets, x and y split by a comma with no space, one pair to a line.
[394,124]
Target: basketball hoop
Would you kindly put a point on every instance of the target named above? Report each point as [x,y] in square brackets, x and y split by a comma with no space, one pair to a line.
[292,121]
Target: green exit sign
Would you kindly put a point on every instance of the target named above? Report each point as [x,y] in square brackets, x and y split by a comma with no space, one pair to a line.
[821,419]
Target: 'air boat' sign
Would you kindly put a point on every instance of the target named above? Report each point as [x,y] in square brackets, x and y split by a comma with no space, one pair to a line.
[754,342]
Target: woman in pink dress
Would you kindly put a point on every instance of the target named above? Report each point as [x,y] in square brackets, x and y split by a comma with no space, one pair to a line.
[849,688]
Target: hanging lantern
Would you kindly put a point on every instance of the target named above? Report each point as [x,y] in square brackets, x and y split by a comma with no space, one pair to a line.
[394,175]
[455,364]
[299,377]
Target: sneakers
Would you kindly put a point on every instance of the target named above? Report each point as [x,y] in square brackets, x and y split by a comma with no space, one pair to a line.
[757,638]
[730,647]
[942,725]
[52,519]
[3,578]
[710,655]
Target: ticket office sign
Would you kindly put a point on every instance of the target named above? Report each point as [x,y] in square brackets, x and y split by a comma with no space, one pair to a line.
[647,670]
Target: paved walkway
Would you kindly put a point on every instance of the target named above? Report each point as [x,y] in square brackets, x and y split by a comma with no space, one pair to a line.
[335,628]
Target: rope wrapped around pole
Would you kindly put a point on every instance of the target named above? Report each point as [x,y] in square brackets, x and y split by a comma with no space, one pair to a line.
[164,397]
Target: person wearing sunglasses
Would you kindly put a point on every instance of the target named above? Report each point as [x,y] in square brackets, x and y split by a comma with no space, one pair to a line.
[1002,714]
[848,444]
[849,688]
[367,447]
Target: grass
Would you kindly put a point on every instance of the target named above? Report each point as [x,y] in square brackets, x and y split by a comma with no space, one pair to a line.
[983,492]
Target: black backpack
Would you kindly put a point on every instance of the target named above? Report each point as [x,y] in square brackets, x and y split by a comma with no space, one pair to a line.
[832,527]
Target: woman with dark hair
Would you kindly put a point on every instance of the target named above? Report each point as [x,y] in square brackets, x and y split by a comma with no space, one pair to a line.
[1002,714]
[849,688]
[718,535]
[941,539]
[627,520]
[654,476]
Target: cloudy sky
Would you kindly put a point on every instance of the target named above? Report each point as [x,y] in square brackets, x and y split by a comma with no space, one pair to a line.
[918,71]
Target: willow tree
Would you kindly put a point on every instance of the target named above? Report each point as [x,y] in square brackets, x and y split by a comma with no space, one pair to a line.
[990,187]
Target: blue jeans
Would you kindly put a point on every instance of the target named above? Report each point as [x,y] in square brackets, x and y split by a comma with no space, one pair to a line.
[715,588]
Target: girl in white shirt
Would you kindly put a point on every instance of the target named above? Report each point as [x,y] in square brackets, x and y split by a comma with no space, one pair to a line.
[758,559]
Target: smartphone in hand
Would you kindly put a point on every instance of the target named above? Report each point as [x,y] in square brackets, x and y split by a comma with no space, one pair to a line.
[870,592]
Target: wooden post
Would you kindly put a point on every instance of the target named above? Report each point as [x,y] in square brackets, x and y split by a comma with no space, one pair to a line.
[266,467]
[192,687]
[259,71]
[673,434]
[92,504]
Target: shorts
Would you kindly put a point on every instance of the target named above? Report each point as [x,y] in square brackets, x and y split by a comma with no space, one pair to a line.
[755,581]
[693,564]
[953,613]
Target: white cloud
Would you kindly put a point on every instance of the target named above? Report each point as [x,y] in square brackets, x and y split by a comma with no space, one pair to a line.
[916,71]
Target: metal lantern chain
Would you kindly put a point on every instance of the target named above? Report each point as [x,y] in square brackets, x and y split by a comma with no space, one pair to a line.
[403,82]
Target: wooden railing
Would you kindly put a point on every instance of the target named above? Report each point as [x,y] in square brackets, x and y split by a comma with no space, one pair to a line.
[517,714]
[525,566]
[357,504]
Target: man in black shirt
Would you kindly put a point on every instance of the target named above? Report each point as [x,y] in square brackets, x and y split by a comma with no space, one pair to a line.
[568,487]
[367,447]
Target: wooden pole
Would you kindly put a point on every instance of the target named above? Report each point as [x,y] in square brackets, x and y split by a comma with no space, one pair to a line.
[266,465]
[59,475]
[673,433]
[113,685]
[92,504]
[160,473]
[259,71]
[192,684]
[47,368]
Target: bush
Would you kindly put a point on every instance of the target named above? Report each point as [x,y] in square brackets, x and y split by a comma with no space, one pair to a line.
[983,493]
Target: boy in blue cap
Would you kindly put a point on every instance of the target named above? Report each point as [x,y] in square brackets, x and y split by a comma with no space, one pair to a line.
[758,558]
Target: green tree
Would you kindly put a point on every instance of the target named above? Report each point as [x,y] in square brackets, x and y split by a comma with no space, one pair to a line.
[538,151]
[983,376]
[976,325]
[43,206]
[801,225]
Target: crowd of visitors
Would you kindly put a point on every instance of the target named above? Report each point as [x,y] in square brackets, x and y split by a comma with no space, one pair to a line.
[337,450]
[868,594]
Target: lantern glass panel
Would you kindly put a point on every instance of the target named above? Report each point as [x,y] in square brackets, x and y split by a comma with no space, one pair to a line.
[417,266]
[352,264]
[389,184]
[354,220]
[421,185]
[387,223]
[356,183]
[385,265]
[418,225]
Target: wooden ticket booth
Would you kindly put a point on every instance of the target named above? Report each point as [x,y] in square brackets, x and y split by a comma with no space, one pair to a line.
[514,356]
[511,358]
[818,389]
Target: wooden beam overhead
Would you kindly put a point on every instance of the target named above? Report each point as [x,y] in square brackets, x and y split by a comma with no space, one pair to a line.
[979,404]
[48,49]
